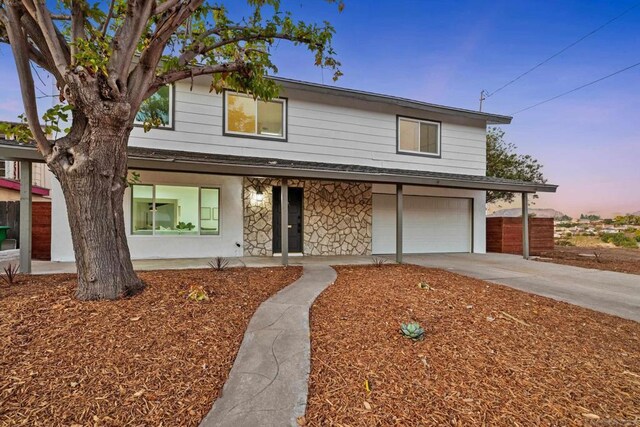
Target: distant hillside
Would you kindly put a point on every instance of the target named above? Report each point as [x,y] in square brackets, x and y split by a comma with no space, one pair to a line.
[540,213]
[636,213]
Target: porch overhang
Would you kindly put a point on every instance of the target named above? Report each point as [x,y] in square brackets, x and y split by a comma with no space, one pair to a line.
[189,162]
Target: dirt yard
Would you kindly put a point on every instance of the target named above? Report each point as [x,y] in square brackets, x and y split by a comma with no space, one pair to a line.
[491,355]
[622,260]
[156,359]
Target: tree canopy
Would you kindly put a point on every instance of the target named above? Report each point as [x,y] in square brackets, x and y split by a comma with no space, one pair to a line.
[106,59]
[134,48]
[504,162]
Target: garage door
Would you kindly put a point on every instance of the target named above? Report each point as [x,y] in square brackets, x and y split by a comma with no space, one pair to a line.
[430,224]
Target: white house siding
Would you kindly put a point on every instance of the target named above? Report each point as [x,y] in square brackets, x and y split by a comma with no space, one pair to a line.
[321,128]
[445,227]
[145,247]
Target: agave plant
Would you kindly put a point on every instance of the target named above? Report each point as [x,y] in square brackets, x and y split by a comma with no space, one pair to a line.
[412,330]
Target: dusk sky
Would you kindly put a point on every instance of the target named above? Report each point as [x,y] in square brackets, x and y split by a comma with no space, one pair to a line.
[446,52]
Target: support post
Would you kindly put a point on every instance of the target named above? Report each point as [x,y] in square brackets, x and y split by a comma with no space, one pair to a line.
[25,216]
[399,210]
[525,225]
[284,221]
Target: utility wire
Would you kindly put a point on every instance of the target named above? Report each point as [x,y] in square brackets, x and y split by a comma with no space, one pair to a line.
[578,88]
[487,95]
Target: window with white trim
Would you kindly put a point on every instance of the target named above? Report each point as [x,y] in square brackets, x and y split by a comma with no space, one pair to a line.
[172,210]
[247,116]
[418,136]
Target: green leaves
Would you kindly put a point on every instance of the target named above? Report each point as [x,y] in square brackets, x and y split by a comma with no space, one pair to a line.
[50,124]
[93,53]
[504,162]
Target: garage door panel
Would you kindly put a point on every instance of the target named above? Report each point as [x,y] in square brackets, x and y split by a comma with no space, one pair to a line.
[430,224]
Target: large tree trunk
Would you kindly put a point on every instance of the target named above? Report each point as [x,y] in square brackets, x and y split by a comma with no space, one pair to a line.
[93,174]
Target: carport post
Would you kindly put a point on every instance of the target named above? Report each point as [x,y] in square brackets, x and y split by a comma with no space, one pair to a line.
[399,223]
[25,216]
[525,225]
[284,221]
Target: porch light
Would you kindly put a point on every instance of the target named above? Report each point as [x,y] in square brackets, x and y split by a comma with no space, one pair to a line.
[259,195]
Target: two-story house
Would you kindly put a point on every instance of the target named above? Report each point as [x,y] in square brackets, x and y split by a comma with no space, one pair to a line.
[363,174]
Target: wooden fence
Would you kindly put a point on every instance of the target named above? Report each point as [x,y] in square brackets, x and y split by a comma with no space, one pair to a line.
[504,235]
[41,226]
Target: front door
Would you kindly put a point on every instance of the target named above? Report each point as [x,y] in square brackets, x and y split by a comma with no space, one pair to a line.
[295,220]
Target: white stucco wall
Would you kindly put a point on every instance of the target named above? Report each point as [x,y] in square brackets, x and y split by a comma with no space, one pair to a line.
[479,199]
[145,247]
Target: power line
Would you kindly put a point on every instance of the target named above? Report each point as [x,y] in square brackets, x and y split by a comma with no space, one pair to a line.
[487,95]
[578,88]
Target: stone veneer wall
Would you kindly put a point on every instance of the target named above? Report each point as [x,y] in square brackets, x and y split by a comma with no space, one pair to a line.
[337,217]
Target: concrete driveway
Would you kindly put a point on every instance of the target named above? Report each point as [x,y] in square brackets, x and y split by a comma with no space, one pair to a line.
[605,291]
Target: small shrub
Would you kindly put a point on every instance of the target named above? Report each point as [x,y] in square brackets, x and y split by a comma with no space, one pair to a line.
[219,263]
[197,294]
[597,255]
[412,330]
[619,239]
[565,243]
[11,273]
[378,262]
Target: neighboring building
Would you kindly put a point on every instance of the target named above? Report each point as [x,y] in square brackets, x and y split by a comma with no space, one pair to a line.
[218,163]
[10,191]
[10,171]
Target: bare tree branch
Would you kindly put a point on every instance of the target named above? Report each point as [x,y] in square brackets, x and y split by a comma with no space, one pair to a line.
[201,48]
[174,76]
[78,23]
[126,38]
[50,33]
[143,73]
[20,49]
[105,26]
[35,36]
[165,6]
[36,56]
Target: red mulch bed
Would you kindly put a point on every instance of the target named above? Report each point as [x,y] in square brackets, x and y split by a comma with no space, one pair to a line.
[154,359]
[491,356]
[622,260]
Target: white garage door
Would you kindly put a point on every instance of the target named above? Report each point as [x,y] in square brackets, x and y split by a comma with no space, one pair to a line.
[430,224]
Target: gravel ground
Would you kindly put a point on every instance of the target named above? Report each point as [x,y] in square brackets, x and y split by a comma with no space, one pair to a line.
[491,355]
[156,359]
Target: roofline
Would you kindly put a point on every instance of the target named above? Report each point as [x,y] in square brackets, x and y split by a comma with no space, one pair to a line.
[12,184]
[219,167]
[490,118]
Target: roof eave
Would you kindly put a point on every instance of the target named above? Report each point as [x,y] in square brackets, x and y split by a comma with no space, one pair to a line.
[489,118]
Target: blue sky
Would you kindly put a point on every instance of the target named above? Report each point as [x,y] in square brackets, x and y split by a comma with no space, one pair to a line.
[445,52]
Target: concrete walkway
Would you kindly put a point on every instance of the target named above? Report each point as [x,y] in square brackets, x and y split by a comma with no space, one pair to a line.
[267,385]
[605,291]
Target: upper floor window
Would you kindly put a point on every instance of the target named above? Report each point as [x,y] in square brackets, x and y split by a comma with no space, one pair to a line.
[157,110]
[254,117]
[418,136]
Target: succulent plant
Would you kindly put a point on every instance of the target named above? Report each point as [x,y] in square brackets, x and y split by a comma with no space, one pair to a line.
[412,330]
[197,293]
[425,285]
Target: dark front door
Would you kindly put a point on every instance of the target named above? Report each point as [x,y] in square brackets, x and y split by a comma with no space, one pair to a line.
[295,220]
